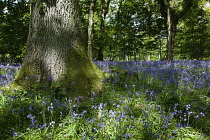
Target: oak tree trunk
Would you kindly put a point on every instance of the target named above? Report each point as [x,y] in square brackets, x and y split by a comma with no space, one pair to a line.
[56,51]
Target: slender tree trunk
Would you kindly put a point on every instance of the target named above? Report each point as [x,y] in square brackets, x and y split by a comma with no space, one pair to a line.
[55,49]
[104,11]
[160,49]
[171,34]
[90,28]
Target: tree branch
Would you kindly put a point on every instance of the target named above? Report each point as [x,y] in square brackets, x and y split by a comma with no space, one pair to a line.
[187,7]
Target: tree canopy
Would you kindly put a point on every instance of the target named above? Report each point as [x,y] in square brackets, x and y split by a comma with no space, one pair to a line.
[121,29]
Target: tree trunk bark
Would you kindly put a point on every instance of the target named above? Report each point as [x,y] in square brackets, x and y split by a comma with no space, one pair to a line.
[55,50]
[90,28]
[171,34]
[104,11]
[172,17]
[171,42]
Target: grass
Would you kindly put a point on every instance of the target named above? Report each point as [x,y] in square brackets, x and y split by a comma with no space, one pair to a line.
[141,100]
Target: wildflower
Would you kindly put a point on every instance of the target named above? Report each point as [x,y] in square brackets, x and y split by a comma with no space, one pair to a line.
[127,135]
[95,107]
[72,83]
[83,138]
[197,116]
[124,115]
[118,106]
[14,134]
[158,107]
[188,106]
[43,126]
[145,126]
[179,125]
[190,112]
[52,124]
[74,114]
[49,78]
[202,114]
[30,107]
[50,108]
[112,113]
[13,97]
[32,118]
[118,119]
[44,103]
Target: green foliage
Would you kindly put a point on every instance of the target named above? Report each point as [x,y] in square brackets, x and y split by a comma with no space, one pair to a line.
[193,36]
[134,30]
[14,18]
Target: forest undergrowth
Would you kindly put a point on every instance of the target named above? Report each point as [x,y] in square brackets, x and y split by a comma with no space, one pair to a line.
[141,100]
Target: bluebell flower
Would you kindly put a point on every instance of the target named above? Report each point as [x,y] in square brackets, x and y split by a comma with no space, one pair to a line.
[44,103]
[27,77]
[30,107]
[145,126]
[179,125]
[202,114]
[127,135]
[33,121]
[188,106]
[14,134]
[43,126]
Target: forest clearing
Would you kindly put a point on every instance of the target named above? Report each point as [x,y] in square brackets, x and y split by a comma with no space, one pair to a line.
[104,70]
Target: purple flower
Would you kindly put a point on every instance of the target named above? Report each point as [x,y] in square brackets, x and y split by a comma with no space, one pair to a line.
[127,135]
[33,121]
[188,106]
[30,107]
[43,126]
[202,114]
[14,134]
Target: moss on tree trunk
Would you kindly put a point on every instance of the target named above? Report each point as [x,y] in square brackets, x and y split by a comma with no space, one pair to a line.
[55,50]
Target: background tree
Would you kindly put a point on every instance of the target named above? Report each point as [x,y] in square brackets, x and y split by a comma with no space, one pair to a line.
[104,7]
[173,11]
[193,35]
[131,29]
[14,17]
[56,50]
[91,27]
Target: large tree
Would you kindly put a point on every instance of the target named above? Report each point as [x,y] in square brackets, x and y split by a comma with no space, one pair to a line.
[55,50]
[173,11]
[14,17]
